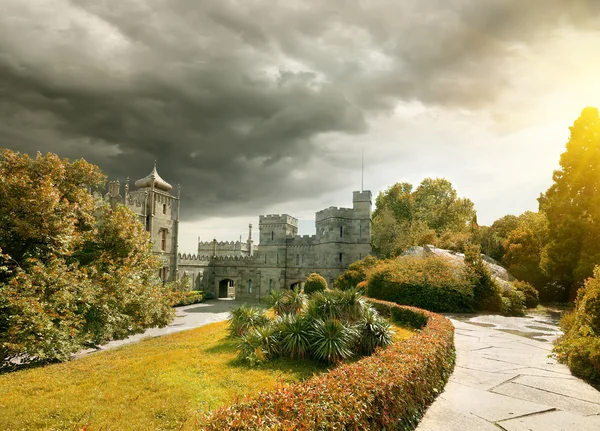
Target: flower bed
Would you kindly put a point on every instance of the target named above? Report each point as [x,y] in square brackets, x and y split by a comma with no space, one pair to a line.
[387,390]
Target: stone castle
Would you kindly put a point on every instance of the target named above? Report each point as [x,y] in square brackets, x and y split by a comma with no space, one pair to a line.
[281,260]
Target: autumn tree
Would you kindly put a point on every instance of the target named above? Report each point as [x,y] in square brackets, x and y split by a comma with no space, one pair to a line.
[572,207]
[431,214]
[73,272]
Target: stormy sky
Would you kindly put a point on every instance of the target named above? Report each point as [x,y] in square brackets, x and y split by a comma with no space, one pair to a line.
[257,106]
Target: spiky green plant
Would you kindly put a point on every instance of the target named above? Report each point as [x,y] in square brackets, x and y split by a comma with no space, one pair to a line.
[331,340]
[294,341]
[243,318]
[259,344]
[273,300]
[350,303]
[324,306]
[292,302]
[373,331]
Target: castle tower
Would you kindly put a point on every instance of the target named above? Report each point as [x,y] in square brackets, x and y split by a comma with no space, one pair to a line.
[161,211]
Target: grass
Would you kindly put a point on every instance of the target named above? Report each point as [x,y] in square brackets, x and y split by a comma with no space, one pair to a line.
[156,384]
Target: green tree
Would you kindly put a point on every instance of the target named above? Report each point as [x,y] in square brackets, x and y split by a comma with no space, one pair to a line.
[572,207]
[431,214]
[73,272]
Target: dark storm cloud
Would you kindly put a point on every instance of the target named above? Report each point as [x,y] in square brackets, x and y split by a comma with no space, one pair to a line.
[230,97]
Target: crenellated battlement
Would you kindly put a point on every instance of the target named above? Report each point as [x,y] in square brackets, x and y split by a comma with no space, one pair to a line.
[302,240]
[220,244]
[277,219]
[334,212]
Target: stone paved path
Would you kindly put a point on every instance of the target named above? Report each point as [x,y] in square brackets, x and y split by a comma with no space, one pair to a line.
[187,317]
[507,382]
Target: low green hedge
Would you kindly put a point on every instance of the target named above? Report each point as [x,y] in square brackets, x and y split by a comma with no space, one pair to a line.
[187,298]
[387,390]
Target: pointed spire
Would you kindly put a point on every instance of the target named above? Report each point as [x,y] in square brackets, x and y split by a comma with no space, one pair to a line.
[153,180]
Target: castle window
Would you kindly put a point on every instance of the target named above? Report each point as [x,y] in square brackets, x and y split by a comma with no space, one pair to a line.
[360,231]
[341,231]
[302,259]
[272,236]
[164,208]
[162,274]
[249,285]
[265,257]
[341,257]
[270,285]
[278,258]
[163,239]
[297,259]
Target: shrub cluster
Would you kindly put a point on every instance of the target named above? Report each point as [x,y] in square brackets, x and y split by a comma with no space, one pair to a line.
[355,274]
[387,390]
[187,298]
[579,346]
[433,283]
[439,284]
[314,283]
[532,296]
[329,326]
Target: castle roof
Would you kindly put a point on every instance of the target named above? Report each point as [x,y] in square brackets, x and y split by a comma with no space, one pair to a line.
[153,178]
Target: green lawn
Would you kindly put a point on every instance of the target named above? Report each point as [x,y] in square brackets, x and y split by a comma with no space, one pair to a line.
[156,384]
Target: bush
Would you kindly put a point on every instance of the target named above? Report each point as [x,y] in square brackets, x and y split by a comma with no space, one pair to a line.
[513,303]
[331,340]
[388,390]
[532,297]
[486,291]
[579,346]
[209,295]
[433,283]
[187,298]
[244,318]
[355,274]
[314,283]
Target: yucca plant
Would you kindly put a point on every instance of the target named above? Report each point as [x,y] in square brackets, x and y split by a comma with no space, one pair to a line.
[331,340]
[373,331]
[293,333]
[350,303]
[274,300]
[243,318]
[259,344]
[292,302]
[324,306]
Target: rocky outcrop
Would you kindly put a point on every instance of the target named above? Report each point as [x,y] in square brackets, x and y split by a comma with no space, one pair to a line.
[500,274]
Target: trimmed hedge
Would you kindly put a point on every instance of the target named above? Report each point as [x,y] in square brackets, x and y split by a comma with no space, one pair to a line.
[387,390]
[187,298]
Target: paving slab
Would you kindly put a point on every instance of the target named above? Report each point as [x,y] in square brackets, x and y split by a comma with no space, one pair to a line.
[488,405]
[552,421]
[484,380]
[561,402]
[573,388]
[444,412]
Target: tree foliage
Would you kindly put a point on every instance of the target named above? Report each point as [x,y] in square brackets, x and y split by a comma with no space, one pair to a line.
[73,271]
[572,207]
[431,214]
[518,242]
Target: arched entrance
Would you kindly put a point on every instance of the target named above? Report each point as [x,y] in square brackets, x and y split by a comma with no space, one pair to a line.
[225,286]
[296,284]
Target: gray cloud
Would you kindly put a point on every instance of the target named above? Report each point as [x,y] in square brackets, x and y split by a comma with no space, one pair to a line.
[231,96]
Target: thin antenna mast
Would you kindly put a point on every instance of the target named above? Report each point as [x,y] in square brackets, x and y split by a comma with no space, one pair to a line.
[362,168]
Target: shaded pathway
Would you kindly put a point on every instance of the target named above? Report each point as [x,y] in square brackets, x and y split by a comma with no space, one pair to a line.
[187,317]
[507,382]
